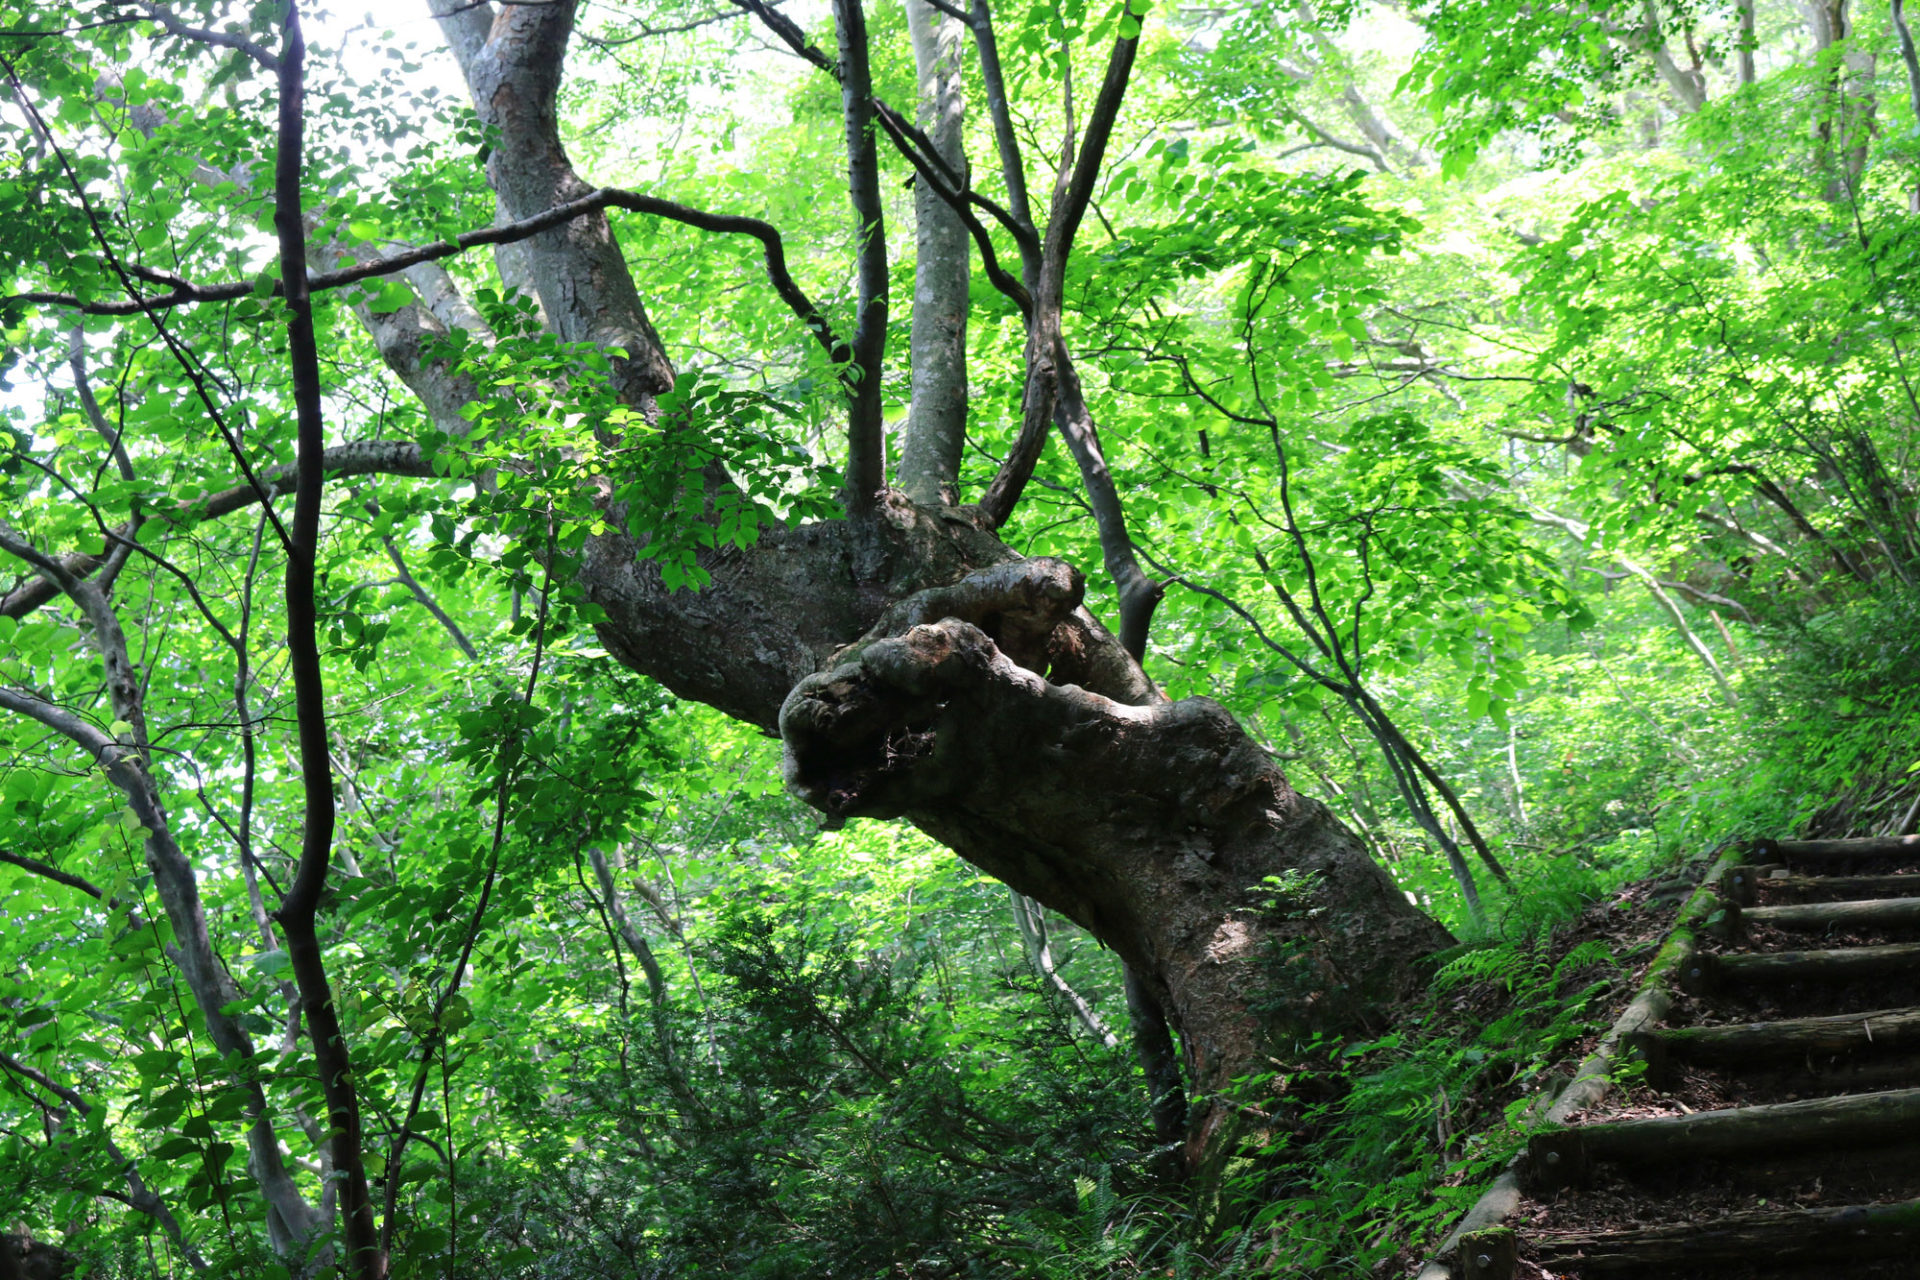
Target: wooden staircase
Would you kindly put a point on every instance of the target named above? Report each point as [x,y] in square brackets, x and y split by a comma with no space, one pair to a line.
[1788,1000]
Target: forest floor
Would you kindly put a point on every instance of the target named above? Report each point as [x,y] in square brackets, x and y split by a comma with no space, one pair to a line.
[1630,924]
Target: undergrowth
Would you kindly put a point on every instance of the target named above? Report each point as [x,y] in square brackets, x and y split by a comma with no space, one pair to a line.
[1425,1115]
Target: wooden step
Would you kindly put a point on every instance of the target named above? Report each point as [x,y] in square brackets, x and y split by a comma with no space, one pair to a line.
[1789,1037]
[1807,917]
[1703,973]
[1743,884]
[1812,851]
[1564,1156]
[1759,1043]
[1851,1232]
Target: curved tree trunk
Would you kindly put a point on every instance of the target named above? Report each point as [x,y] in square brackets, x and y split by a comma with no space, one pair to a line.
[995,714]
[916,667]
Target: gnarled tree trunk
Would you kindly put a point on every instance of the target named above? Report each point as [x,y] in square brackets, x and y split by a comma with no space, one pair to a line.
[916,667]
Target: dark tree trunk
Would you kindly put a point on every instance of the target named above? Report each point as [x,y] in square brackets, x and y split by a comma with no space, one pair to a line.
[916,667]
[977,700]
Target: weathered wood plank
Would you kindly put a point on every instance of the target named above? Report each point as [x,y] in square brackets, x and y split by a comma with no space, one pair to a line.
[1804,1235]
[1882,913]
[1558,1157]
[1813,850]
[1744,884]
[1784,1038]
[1840,964]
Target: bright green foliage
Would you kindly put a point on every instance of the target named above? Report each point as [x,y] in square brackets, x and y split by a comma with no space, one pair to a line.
[1412,423]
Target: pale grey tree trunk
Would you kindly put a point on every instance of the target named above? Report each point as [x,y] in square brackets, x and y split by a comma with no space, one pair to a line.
[1746,38]
[1844,121]
[937,419]
[1387,139]
[1672,609]
[1689,93]
[1031,920]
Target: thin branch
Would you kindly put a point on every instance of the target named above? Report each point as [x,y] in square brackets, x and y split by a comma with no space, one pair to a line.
[1037,399]
[790,33]
[1012,166]
[505,233]
[109,435]
[952,11]
[643,31]
[203,35]
[1694,642]
[53,873]
[32,33]
[928,164]
[140,1197]
[1329,140]
[427,602]
[960,203]
[123,684]
[1030,917]
[125,766]
[435,1039]
[1064,220]
[179,353]
[636,941]
[364,457]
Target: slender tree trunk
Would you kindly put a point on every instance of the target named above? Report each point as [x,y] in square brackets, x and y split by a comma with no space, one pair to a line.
[1689,93]
[1387,140]
[1029,917]
[1745,47]
[1672,609]
[659,1008]
[1513,777]
[298,913]
[937,418]
[1911,59]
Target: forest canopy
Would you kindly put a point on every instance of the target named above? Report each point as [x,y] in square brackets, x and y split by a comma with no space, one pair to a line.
[914,638]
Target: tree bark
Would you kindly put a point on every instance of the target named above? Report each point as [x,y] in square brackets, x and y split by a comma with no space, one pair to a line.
[936,430]
[1246,911]
[512,63]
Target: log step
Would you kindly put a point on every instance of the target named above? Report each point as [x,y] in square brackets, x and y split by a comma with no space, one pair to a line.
[1742,884]
[1883,913]
[1723,1046]
[1843,964]
[1563,1156]
[1812,851]
[1801,1236]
